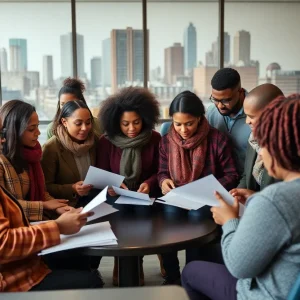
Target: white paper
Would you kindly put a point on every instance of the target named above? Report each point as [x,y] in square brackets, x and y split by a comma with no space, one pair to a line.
[179,201]
[100,178]
[100,198]
[200,191]
[133,201]
[101,210]
[131,194]
[99,234]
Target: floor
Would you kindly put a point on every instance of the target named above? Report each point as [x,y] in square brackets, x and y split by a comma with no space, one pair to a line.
[151,269]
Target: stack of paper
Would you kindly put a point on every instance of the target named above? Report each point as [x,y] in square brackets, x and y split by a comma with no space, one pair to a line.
[99,234]
[130,197]
[100,178]
[98,206]
[198,193]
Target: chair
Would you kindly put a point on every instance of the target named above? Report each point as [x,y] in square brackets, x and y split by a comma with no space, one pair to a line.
[294,293]
[165,128]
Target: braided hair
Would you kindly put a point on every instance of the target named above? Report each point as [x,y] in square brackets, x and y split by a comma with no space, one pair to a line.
[278,129]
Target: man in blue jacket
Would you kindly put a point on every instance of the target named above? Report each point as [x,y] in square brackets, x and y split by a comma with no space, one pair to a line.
[227,113]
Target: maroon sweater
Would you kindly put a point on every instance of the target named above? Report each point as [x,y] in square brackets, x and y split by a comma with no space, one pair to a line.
[108,158]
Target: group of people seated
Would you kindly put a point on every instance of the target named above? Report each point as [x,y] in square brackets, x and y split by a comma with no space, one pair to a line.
[250,141]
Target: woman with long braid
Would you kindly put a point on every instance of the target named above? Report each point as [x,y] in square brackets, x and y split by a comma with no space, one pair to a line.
[261,251]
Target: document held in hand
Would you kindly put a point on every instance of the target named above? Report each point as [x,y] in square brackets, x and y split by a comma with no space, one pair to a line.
[99,234]
[99,178]
[131,197]
[198,193]
[98,206]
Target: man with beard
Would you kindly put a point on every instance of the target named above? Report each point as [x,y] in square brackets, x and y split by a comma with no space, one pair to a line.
[227,113]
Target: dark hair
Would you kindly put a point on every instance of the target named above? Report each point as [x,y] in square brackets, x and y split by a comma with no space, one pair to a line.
[67,110]
[278,129]
[226,78]
[188,103]
[137,99]
[15,115]
[70,86]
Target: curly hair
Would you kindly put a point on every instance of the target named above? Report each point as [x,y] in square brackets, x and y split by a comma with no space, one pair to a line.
[226,78]
[278,129]
[136,99]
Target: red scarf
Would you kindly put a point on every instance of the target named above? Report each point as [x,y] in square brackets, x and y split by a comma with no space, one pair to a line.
[187,157]
[33,157]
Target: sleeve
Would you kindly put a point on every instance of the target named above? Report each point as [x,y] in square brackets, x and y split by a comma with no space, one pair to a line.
[163,168]
[49,131]
[243,184]
[18,243]
[226,162]
[103,155]
[49,165]
[250,245]
[33,210]
[152,181]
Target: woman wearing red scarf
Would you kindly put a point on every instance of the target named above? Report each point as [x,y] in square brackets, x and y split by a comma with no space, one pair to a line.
[20,168]
[192,149]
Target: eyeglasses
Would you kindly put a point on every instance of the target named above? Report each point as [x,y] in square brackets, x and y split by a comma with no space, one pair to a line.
[223,101]
[2,133]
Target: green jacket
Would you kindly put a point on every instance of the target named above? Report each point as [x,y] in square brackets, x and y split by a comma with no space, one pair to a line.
[98,130]
[248,181]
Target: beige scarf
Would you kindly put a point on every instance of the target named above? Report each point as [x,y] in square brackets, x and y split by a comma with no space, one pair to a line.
[258,168]
[69,144]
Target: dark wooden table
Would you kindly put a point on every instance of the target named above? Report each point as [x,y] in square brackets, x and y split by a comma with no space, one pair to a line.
[144,230]
[147,293]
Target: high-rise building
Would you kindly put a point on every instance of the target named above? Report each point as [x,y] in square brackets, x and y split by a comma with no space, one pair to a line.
[190,48]
[47,70]
[127,52]
[18,54]
[226,48]
[173,63]
[209,59]
[106,63]
[67,58]
[3,60]
[96,72]
[241,46]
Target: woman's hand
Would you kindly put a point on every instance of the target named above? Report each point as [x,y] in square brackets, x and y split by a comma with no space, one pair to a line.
[241,194]
[80,189]
[111,191]
[225,212]
[167,186]
[54,204]
[62,210]
[144,188]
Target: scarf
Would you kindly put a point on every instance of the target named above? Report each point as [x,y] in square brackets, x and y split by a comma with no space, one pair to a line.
[258,168]
[33,157]
[187,157]
[131,160]
[76,148]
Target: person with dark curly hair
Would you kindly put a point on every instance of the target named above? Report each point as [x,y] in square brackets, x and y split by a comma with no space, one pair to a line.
[261,249]
[71,90]
[130,145]
[192,149]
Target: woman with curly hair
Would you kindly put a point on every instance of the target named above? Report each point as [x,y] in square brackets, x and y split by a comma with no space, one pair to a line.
[71,90]
[260,250]
[130,145]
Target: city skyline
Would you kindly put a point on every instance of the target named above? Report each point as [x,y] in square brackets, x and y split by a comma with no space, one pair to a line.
[270,37]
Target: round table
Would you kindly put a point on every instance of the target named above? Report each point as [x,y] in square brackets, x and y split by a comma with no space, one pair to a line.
[144,230]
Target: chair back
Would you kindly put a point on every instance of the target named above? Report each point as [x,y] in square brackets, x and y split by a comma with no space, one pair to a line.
[165,128]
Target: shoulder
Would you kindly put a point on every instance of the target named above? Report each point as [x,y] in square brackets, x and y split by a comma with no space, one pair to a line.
[216,135]
[50,125]
[155,138]
[104,143]
[52,144]
[4,161]
[211,110]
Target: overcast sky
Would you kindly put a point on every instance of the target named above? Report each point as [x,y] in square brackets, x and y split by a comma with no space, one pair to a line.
[274,28]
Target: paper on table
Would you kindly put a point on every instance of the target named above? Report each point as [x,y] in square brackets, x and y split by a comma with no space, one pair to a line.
[133,201]
[202,191]
[100,178]
[131,194]
[90,235]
